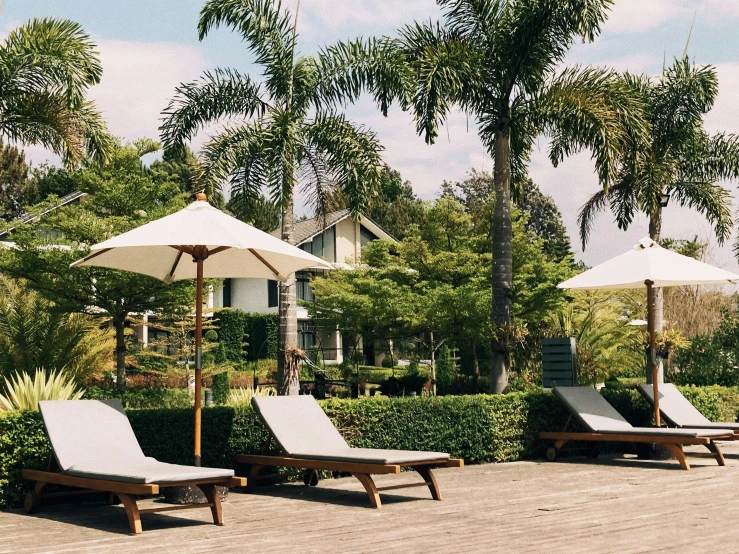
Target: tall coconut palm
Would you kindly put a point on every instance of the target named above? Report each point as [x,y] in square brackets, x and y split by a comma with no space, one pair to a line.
[283,134]
[46,68]
[677,157]
[498,61]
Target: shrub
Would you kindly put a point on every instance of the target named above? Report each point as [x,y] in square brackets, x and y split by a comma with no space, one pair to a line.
[221,387]
[235,327]
[240,397]
[24,393]
[144,398]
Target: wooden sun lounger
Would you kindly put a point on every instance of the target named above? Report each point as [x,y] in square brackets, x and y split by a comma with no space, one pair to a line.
[604,424]
[298,424]
[103,425]
[677,410]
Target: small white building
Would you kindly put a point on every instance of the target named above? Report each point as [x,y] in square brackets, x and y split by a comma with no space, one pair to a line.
[339,240]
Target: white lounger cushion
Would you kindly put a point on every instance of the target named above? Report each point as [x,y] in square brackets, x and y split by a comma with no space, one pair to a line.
[303,430]
[147,470]
[598,416]
[93,438]
[678,409]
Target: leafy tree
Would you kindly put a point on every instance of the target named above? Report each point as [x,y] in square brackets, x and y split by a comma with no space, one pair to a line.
[543,217]
[395,207]
[35,334]
[678,157]
[16,189]
[437,279]
[606,343]
[545,220]
[498,61]
[290,138]
[180,165]
[51,180]
[46,67]
[122,196]
[257,210]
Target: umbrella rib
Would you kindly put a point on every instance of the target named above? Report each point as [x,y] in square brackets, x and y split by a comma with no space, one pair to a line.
[266,263]
[217,250]
[185,249]
[176,263]
[95,254]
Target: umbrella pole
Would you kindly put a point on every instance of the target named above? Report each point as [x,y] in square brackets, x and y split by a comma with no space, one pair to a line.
[198,356]
[652,349]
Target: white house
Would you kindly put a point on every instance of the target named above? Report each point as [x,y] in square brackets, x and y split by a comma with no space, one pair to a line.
[338,240]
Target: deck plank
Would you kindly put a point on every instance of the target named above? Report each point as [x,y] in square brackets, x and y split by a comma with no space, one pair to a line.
[575,505]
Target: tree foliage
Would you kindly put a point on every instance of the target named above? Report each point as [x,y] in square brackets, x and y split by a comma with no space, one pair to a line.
[122,196]
[16,189]
[46,68]
[677,156]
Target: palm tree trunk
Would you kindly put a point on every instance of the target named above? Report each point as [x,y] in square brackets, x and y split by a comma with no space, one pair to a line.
[502,236]
[287,381]
[119,322]
[655,230]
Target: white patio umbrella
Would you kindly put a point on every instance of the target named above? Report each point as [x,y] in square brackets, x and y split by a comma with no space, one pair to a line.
[219,245]
[649,265]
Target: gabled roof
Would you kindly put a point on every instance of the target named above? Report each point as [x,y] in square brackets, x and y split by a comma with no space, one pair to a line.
[306,229]
[31,217]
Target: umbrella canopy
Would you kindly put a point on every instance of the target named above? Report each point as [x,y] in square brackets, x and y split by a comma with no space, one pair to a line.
[221,247]
[234,249]
[648,261]
[649,265]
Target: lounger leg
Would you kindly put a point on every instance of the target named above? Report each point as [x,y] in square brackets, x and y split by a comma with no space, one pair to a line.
[132,511]
[428,476]
[677,451]
[211,494]
[251,481]
[713,447]
[369,486]
[559,444]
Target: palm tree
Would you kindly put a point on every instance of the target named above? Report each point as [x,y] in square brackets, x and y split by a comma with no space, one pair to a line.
[498,61]
[287,137]
[46,67]
[677,158]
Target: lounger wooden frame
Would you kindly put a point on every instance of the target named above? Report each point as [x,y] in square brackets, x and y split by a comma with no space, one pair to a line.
[362,471]
[124,492]
[673,444]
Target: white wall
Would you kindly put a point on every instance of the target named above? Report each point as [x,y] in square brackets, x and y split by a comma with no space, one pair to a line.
[347,240]
[248,295]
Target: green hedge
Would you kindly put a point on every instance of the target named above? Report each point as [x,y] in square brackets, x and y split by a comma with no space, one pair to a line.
[257,331]
[478,428]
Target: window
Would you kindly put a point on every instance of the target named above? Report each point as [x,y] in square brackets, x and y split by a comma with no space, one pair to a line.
[302,283]
[365,235]
[273,295]
[227,293]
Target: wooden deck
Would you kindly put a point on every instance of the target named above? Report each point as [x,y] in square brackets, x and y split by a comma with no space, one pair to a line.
[612,504]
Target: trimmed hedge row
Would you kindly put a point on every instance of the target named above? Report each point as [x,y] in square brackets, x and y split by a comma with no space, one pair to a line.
[478,428]
[258,331]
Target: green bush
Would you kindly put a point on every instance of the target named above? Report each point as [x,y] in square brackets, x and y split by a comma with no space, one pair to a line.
[235,327]
[221,387]
[143,398]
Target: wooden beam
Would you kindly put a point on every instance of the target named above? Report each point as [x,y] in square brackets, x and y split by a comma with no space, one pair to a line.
[326,465]
[104,485]
[266,263]
[615,437]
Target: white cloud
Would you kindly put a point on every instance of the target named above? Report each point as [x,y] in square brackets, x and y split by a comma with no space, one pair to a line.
[138,80]
[634,63]
[634,16]
[333,14]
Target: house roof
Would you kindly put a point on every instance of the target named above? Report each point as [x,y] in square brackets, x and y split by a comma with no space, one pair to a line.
[306,229]
[31,217]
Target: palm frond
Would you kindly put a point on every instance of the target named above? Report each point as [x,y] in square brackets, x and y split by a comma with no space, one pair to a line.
[594,109]
[217,94]
[267,30]
[351,155]
[346,69]
[711,200]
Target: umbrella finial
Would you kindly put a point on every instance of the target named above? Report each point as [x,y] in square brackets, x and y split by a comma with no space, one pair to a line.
[201,197]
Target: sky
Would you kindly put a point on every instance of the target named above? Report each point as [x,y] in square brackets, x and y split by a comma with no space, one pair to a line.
[148,47]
